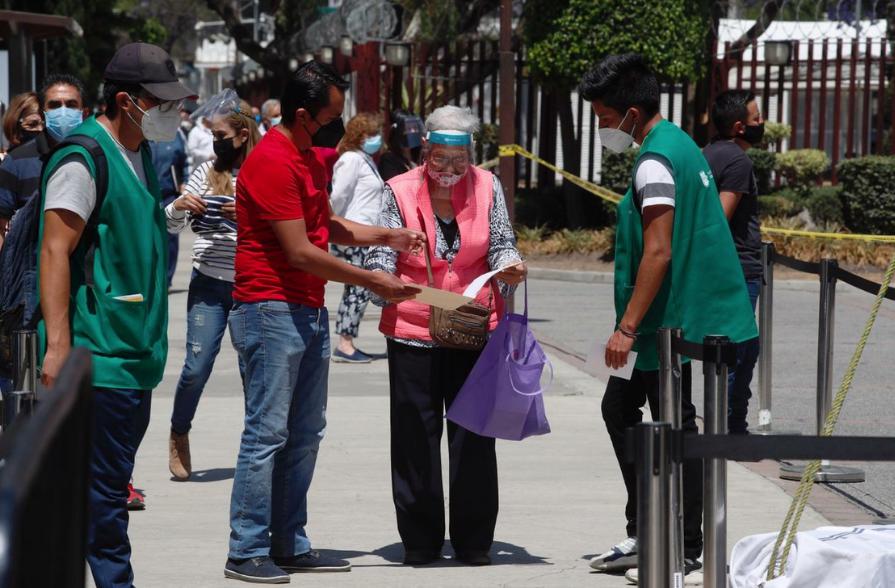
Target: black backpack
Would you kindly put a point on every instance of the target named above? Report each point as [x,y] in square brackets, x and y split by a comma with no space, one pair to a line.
[19,307]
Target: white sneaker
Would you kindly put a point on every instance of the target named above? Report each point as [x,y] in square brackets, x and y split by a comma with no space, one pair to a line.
[692,573]
[621,557]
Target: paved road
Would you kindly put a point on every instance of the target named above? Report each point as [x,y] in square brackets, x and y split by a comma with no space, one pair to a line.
[561,494]
[575,314]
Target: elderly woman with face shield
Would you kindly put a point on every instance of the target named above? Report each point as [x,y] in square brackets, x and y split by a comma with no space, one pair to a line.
[461,209]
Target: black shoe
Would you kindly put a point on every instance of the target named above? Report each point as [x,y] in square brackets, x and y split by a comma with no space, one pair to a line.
[474,558]
[420,557]
[260,570]
[312,561]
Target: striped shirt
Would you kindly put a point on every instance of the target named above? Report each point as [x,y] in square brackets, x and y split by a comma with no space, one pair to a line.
[653,182]
[214,249]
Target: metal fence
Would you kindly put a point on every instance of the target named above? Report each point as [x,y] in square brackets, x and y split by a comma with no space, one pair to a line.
[836,94]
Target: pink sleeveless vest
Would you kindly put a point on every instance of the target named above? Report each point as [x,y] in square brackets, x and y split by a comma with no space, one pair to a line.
[472,200]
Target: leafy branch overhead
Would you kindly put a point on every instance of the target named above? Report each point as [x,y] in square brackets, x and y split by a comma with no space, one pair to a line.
[567,37]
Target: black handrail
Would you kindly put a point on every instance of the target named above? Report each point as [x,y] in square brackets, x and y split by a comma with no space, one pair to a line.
[43,485]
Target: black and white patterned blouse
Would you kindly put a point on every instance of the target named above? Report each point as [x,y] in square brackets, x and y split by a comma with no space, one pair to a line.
[501,249]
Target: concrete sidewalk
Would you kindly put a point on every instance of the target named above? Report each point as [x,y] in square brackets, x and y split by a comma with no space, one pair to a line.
[562,497]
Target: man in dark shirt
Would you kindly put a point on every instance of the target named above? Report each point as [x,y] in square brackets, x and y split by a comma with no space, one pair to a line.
[170,163]
[740,125]
[20,171]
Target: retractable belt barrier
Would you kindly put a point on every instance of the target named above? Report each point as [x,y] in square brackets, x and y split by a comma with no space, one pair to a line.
[659,448]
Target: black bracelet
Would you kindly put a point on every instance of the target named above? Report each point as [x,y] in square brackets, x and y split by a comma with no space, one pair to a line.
[627,334]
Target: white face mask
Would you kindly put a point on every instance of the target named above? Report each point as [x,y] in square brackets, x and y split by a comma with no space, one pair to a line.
[616,139]
[158,125]
[445,179]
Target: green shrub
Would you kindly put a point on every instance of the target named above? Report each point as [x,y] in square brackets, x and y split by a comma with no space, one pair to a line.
[776,206]
[776,132]
[825,205]
[868,194]
[802,168]
[617,168]
[763,162]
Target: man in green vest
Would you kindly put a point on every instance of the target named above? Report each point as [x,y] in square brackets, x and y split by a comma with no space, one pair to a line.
[675,266]
[103,282]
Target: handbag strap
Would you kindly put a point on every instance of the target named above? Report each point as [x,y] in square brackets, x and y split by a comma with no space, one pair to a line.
[429,275]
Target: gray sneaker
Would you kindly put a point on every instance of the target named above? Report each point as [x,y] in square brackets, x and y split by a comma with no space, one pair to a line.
[258,570]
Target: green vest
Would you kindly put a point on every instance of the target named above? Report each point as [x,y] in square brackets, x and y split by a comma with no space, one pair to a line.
[704,292]
[128,340]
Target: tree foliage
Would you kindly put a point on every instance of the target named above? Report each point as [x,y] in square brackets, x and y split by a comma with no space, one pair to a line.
[440,21]
[567,37]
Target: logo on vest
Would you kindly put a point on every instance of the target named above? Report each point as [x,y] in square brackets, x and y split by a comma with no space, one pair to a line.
[704,177]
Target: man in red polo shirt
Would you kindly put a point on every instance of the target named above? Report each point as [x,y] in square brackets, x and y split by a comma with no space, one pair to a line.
[280,327]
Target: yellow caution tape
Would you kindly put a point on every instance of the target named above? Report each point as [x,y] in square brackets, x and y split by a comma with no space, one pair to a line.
[610,196]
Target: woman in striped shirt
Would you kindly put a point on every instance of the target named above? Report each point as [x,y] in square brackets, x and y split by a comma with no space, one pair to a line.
[208,206]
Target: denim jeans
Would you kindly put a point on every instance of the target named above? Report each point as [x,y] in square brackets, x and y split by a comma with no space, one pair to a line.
[739,379]
[208,306]
[285,348]
[120,418]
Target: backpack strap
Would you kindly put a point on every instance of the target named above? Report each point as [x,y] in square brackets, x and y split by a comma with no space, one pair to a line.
[101,179]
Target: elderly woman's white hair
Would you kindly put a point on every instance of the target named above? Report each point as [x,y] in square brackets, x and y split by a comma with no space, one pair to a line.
[452,118]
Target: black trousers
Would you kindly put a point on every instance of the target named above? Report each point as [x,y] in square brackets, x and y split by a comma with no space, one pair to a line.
[424,383]
[621,407]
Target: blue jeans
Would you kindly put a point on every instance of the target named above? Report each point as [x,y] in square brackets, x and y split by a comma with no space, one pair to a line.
[208,306]
[739,379]
[285,348]
[120,418]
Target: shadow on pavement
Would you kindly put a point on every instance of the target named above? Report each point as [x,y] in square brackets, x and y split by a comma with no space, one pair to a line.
[501,554]
[212,475]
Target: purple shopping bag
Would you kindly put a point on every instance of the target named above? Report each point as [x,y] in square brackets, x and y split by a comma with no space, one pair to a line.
[502,397]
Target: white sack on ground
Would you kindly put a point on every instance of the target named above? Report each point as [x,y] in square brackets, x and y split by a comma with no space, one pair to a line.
[827,557]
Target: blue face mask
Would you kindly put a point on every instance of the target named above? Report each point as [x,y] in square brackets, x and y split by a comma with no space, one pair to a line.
[63,120]
[372,144]
[275,121]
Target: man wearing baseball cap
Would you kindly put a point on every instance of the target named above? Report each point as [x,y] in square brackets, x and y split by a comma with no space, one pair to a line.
[103,283]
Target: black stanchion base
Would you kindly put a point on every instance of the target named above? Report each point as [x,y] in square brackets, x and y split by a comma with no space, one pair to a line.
[827,473]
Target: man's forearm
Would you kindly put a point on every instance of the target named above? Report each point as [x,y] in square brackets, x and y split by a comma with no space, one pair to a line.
[55,290]
[649,280]
[345,232]
[322,264]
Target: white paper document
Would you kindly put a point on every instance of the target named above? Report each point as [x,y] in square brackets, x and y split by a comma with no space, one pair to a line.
[596,366]
[440,298]
[477,284]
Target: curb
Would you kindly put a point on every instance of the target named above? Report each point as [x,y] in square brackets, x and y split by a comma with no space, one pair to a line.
[594,277]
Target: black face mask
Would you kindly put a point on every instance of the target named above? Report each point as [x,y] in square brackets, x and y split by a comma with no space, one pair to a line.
[329,135]
[753,134]
[28,135]
[225,152]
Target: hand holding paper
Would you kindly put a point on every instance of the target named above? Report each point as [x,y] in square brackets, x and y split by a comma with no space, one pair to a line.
[596,363]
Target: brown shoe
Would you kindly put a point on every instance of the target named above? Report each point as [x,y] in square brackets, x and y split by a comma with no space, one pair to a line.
[179,456]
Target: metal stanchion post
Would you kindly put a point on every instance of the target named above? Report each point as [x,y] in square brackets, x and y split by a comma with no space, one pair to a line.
[825,338]
[21,399]
[715,478]
[766,345]
[765,338]
[670,412]
[653,443]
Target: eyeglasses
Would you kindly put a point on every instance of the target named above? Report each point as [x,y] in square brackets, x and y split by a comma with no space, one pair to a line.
[461,160]
[163,106]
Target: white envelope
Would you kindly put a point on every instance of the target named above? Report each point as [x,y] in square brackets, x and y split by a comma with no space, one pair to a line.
[596,366]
